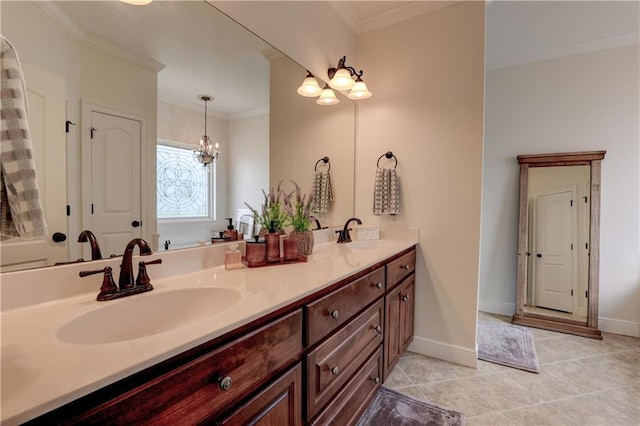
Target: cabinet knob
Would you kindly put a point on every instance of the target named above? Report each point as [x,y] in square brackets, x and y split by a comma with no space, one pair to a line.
[378,285]
[376,380]
[405,298]
[335,314]
[405,267]
[378,329]
[335,370]
[225,383]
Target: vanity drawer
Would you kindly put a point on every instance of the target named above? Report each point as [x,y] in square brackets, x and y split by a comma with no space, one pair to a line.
[400,268]
[349,404]
[195,391]
[331,364]
[329,312]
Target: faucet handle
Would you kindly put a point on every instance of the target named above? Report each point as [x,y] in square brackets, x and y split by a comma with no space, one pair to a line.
[108,284]
[143,278]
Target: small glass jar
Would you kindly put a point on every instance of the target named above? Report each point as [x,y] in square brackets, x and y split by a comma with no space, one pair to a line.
[256,253]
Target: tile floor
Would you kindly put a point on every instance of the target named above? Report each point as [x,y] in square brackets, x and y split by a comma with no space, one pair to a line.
[582,382]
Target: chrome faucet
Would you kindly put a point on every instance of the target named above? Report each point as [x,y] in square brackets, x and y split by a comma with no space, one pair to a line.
[126,268]
[344,236]
[87,235]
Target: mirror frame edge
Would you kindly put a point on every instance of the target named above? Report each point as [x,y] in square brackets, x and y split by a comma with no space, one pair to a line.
[594,160]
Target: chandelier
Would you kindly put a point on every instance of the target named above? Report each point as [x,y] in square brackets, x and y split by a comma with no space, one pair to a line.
[207,151]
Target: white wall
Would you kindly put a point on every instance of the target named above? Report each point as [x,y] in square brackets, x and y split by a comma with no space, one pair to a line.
[576,103]
[426,75]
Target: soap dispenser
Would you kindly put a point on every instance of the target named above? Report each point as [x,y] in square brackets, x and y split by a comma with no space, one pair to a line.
[230,232]
[273,244]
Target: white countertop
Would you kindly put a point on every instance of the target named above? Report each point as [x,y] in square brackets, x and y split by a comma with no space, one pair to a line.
[41,373]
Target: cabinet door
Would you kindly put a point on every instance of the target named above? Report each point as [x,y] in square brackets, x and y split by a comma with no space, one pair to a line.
[393,341]
[279,404]
[407,310]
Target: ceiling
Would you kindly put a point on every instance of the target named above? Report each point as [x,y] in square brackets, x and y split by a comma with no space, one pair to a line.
[216,56]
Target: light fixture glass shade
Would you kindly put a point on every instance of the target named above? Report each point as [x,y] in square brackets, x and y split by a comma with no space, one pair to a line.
[137,2]
[359,91]
[328,97]
[310,88]
[342,80]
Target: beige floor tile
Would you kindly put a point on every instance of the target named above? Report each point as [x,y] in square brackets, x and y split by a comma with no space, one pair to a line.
[546,385]
[628,341]
[539,333]
[595,373]
[562,348]
[502,392]
[494,419]
[456,395]
[398,379]
[423,369]
[414,392]
[538,415]
[600,408]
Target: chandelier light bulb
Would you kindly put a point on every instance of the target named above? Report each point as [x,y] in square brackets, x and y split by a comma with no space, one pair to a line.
[310,87]
[359,91]
[342,80]
[328,97]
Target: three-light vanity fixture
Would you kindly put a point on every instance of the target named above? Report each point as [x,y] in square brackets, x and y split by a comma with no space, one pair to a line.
[207,151]
[342,77]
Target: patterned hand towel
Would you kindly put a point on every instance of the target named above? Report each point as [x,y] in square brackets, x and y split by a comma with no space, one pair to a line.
[323,190]
[22,213]
[386,192]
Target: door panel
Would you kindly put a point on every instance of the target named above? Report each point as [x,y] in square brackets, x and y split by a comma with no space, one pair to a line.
[46,102]
[553,251]
[115,180]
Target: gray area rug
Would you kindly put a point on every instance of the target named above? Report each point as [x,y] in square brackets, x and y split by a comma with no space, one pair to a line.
[507,344]
[391,408]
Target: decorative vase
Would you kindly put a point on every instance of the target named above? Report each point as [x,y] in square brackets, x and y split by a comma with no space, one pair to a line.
[305,241]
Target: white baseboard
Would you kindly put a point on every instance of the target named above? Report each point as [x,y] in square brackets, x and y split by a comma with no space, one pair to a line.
[493,307]
[445,351]
[616,326]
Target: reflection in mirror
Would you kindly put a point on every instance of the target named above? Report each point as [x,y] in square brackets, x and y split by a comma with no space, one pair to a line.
[559,242]
[147,65]
[558,235]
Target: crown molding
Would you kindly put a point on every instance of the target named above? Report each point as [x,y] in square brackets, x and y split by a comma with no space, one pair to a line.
[273,54]
[573,49]
[389,17]
[251,113]
[192,106]
[87,40]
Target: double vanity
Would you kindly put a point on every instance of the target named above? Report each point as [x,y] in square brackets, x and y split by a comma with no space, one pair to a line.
[303,343]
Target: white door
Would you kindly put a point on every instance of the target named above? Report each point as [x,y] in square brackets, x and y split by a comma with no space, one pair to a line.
[553,251]
[46,101]
[115,180]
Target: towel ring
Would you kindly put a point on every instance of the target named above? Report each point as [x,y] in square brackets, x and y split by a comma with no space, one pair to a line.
[325,160]
[389,155]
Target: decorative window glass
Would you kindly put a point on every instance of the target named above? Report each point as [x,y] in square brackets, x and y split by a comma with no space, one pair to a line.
[183,184]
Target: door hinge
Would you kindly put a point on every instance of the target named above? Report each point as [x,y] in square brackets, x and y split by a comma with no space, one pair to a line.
[572,292]
[570,203]
[571,246]
[91,208]
[93,130]
[586,294]
[68,210]
[586,246]
[586,199]
[67,124]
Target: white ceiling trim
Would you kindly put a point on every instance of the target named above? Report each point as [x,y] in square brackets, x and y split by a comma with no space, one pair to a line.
[62,19]
[573,49]
[247,114]
[199,107]
[392,16]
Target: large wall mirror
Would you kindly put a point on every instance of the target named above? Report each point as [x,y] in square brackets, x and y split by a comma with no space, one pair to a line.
[558,242]
[147,65]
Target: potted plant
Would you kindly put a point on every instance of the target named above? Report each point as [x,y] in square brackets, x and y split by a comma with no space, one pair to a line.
[298,209]
[272,211]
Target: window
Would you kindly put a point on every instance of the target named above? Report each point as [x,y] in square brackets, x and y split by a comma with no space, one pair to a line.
[184,185]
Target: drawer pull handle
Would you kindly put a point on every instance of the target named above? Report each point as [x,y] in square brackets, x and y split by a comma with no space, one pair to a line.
[405,267]
[378,329]
[378,285]
[376,380]
[225,383]
[335,314]
[335,370]
[405,298]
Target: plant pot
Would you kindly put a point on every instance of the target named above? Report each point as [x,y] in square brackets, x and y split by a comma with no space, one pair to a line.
[305,241]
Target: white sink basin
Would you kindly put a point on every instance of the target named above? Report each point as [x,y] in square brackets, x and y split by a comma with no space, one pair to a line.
[365,244]
[146,314]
